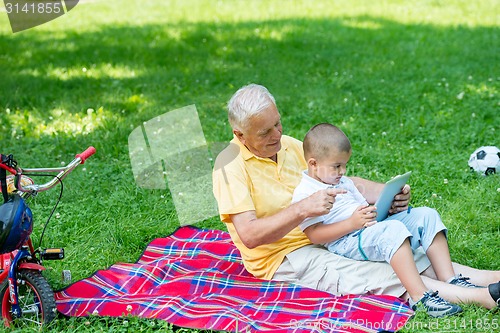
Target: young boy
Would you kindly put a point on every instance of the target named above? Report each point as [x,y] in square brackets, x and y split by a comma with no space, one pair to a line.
[350,228]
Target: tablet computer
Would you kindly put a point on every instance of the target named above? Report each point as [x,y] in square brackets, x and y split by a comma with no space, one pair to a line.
[391,188]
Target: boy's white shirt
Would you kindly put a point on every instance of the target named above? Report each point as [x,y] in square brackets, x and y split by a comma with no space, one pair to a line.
[343,207]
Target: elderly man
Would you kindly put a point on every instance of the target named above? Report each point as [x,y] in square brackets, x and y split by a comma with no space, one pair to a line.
[253,182]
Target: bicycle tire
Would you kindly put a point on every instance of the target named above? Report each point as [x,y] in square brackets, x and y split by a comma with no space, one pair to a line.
[36,300]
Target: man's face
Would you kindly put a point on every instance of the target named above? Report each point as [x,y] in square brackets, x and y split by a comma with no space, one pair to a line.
[262,136]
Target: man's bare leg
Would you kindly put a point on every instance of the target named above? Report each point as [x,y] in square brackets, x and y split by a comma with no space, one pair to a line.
[478,277]
[457,294]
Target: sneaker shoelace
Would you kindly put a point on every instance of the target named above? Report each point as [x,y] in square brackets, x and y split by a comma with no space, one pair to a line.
[434,300]
[463,281]
[435,306]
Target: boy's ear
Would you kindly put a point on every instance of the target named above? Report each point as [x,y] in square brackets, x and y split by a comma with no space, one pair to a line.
[312,162]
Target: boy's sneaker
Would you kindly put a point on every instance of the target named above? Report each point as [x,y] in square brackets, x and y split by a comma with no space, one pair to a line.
[462,281]
[435,306]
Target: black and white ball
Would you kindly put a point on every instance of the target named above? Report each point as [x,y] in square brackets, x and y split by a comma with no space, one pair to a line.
[485,160]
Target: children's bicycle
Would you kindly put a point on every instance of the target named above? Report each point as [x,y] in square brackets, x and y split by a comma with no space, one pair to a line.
[25,295]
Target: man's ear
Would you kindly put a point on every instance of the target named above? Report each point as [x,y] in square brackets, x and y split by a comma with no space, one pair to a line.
[237,132]
[239,135]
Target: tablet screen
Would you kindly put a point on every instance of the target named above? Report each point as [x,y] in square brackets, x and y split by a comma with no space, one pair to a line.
[391,188]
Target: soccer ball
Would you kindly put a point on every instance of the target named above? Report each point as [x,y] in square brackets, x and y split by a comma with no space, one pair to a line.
[485,160]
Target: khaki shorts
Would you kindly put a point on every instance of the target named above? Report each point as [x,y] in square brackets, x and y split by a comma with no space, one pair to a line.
[315,267]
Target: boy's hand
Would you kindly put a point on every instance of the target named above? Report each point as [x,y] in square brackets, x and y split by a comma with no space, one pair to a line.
[401,200]
[363,217]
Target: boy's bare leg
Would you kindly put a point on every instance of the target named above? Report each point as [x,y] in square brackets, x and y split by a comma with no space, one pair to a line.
[407,271]
[439,256]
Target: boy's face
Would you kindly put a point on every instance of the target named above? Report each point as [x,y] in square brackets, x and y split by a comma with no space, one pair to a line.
[329,169]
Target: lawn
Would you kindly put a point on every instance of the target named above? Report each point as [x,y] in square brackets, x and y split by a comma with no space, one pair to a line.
[415,85]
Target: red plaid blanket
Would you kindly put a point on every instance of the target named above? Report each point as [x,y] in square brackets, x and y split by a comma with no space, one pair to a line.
[195,278]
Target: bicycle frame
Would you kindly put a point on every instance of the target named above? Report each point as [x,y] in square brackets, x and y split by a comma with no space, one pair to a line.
[24,257]
[11,264]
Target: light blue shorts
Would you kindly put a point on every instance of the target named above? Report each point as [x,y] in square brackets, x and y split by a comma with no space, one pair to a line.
[380,241]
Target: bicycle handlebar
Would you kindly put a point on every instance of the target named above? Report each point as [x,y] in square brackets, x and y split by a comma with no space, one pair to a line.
[9,169]
[62,172]
[86,154]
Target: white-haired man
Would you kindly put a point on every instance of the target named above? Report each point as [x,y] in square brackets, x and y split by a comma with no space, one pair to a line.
[253,182]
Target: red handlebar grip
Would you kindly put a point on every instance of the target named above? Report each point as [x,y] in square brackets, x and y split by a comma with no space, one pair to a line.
[86,154]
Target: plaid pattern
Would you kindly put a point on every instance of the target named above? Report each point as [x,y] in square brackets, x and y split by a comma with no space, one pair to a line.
[195,278]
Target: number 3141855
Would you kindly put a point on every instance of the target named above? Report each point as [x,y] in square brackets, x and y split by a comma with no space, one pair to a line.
[34,8]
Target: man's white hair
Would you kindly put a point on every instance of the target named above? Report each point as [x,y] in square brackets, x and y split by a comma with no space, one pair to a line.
[246,103]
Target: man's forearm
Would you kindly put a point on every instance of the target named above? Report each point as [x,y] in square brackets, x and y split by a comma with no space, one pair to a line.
[255,231]
[285,221]
[369,189]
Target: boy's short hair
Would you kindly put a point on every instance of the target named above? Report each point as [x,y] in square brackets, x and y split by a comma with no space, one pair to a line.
[323,139]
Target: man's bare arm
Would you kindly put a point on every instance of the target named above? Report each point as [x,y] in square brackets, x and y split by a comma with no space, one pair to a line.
[369,189]
[254,232]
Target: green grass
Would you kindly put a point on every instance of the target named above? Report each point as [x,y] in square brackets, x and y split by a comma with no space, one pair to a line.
[414,85]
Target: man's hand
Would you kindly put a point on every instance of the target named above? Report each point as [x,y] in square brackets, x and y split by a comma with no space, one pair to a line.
[401,200]
[255,231]
[321,202]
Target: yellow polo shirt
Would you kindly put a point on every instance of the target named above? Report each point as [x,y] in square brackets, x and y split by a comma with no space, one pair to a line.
[244,182]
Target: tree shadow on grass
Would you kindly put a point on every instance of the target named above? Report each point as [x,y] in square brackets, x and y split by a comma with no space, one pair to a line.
[316,68]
